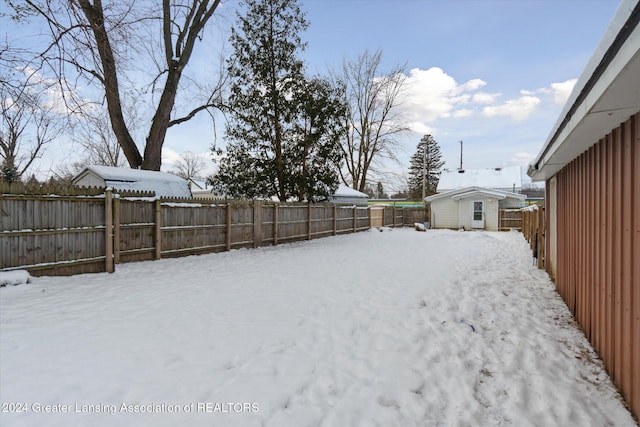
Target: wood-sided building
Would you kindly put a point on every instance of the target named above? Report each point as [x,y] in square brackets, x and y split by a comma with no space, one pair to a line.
[591,166]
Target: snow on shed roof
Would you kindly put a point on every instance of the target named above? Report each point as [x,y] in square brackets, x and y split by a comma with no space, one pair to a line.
[497,178]
[162,183]
[344,191]
[462,193]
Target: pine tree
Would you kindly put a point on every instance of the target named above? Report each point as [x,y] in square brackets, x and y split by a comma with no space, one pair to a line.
[380,194]
[9,173]
[425,164]
[315,146]
[283,132]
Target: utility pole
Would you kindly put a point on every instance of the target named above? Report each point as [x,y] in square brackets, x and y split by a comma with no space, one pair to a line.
[460,169]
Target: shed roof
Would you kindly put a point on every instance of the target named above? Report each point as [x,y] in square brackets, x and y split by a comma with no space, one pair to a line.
[606,94]
[162,183]
[507,177]
[344,191]
[463,193]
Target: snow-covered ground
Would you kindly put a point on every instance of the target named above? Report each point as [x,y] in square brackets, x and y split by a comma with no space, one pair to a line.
[392,328]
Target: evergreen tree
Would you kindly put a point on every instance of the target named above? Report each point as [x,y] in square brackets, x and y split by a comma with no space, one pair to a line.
[426,164]
[315,145]
[283,132]
[9,173]
[380,194]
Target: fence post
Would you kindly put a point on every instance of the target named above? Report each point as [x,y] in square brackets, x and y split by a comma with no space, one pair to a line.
[275,224]
[116,230]
[355,217]
[228,227]
[533,223]
[394,215]
[108,225]
[257,223]
[158,229]
[309,221]
[335,220]
[540,238]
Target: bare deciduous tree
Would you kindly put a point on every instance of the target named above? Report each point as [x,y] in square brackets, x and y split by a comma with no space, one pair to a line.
[29,121]
[103,42]
[372,120]
[189,166]
[94,134]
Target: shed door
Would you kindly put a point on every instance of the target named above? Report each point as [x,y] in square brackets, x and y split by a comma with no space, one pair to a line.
[477,214]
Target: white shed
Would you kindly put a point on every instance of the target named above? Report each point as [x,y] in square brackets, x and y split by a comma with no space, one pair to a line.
[471,208]
[163,184]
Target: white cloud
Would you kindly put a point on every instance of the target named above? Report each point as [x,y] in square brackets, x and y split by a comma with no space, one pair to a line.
[463,112]
[473,84]
[522,158]
[421,128]
[53,97]
[169,158]
[433,94]
[517,109]
[561,91]
[485,98]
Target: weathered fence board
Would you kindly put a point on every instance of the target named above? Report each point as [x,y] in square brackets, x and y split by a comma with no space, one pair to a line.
[533,229]
[64,235]
[136,242]
[509,219]
[51,235]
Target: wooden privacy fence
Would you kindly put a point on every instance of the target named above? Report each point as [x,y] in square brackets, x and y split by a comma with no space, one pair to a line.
[532,220]
[72,234]
[509,219]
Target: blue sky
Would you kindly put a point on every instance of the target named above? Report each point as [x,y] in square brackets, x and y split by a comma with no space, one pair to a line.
[492,73]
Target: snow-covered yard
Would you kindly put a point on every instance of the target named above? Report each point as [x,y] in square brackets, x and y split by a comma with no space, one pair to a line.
[392,328]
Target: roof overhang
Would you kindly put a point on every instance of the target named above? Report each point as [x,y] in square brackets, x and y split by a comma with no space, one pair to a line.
[606,95]
[475,192]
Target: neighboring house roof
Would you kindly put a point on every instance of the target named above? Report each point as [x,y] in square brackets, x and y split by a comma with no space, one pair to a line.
[344,191]
[163,184]
[471,192]
[508,178]
[199,184]
[347,195]
[606,94]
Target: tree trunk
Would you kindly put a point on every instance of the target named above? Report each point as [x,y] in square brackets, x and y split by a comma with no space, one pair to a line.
[159,125]
[95,16]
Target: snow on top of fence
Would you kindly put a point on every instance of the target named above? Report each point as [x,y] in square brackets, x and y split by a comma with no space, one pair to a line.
[530,208]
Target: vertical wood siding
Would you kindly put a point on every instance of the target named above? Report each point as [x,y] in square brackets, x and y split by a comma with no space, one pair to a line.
[598,251]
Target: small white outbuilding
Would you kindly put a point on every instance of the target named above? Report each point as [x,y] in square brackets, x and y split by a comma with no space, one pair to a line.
[471,208]
[162,183]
